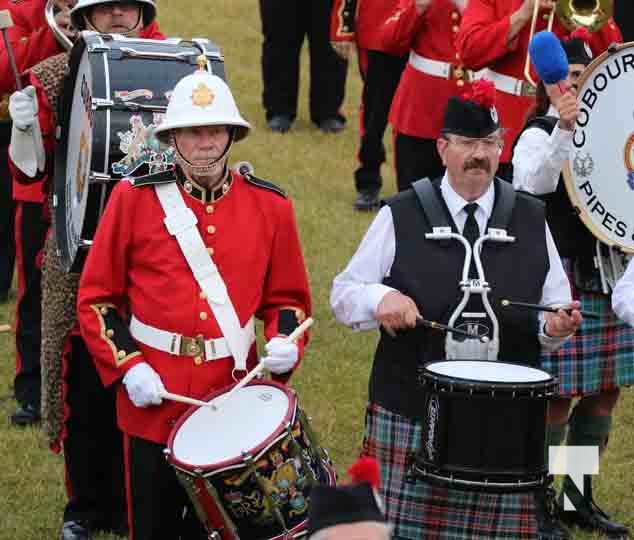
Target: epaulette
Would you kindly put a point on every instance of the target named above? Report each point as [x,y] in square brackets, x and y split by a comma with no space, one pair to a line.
[259,182]
[163,177]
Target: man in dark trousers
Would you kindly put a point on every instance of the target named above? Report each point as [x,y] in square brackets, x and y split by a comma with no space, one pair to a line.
[624,18]
[285,23]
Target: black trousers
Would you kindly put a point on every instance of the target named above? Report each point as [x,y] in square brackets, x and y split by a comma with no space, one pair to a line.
[285,23]
[31,228]
[159,506]
[380,80]
[7,214]
[93,447]
[416,158]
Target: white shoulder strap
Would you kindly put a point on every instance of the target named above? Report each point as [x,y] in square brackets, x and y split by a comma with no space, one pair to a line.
[181,223]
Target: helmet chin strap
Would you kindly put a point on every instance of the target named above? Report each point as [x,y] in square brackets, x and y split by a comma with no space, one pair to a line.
[213,167]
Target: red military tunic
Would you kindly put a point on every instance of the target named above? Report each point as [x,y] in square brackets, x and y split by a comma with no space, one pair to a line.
[419,103]
[134,264]
[361,21]
[482,42]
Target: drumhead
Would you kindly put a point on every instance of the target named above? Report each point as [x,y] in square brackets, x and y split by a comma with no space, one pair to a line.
[599,177]
[250,417]
[490,372]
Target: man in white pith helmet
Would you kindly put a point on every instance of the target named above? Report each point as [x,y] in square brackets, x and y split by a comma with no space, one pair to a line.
[242,260]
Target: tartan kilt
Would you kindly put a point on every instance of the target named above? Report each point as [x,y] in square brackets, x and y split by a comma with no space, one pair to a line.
[419,510]
[599,357]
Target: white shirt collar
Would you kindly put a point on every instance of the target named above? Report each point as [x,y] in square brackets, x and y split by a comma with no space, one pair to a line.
[552,111]
[456,203]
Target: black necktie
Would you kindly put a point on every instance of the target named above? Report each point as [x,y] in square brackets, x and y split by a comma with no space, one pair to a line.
[471,232]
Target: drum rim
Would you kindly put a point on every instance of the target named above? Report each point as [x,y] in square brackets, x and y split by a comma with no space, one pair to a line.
[461,382]
[254,452]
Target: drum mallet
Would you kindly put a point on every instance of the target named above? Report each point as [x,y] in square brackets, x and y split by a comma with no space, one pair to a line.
[549,309]
[7,22]
[5,328]
[295,335]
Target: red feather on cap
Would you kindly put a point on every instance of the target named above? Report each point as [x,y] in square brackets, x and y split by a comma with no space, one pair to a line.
[581,33]
[483,93]
[366,469]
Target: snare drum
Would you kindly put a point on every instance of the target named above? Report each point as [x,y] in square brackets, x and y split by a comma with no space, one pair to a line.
[114,95]
[484,425]
[249,466]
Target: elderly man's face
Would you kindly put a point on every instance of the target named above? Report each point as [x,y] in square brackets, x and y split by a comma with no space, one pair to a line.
[364,530]
[200,145]
[115,17]
[471,163]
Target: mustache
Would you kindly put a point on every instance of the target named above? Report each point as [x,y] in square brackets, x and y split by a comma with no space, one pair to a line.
[478,163]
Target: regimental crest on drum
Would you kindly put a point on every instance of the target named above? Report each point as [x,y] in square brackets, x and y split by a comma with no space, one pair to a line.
[629,160]
[82,169]
[141,147]
[583,164]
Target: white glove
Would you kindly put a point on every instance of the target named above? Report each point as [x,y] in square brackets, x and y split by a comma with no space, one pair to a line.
[23,108]
[281,355]
[143,385]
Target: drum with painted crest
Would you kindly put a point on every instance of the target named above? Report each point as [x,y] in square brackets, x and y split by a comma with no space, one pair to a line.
[249,466]
[484,425]
[114,94]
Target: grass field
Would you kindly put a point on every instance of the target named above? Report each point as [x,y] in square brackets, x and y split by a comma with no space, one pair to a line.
[316,170]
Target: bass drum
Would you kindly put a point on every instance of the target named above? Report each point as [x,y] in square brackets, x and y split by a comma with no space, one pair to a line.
[599,177]
[114,94]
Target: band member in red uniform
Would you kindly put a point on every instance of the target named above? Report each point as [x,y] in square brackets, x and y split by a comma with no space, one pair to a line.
[427,31]
[78,413]
[360,21]
[32,41]
[194,255]
[494,34]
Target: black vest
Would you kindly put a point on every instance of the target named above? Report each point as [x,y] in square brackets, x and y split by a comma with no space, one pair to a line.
[429,272]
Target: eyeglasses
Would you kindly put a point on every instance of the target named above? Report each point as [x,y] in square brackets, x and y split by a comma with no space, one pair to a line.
[468,144]
[109,7]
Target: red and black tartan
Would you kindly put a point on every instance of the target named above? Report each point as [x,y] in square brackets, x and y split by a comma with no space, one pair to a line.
[419,510]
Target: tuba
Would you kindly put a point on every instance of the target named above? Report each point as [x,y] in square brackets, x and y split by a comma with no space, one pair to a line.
[573,14]
[51,8]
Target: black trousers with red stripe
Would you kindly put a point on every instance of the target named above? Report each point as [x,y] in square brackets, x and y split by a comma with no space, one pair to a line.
[7,214]
[93,446]
[31,226]
[381,74]
[158,505]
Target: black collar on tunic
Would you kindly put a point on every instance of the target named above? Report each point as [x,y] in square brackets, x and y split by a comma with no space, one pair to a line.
[204,195]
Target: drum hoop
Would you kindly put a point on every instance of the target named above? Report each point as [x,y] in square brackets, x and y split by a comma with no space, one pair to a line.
[461,382]
[566,171]
[256,452]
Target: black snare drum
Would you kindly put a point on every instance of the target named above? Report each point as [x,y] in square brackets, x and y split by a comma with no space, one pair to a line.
[115,93]
[484,425]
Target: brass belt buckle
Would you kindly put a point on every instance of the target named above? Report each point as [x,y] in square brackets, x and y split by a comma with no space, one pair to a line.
[192,346]
[459,74]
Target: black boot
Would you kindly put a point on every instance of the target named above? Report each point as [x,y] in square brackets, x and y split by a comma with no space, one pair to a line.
[588,516]
[548,525]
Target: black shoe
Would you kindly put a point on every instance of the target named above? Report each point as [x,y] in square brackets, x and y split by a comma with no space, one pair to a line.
[367,200]
[549,527]
[280,123]
[332,125]
[75,530]
[589,517]
[25,415]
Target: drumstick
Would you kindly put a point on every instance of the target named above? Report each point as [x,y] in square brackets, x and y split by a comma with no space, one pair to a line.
[439,326]
[5,328]
[295,335]
[185,399]
[550,309]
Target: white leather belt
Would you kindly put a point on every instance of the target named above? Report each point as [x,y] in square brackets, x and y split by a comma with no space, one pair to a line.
[444,70]
[508,84]
[179,345]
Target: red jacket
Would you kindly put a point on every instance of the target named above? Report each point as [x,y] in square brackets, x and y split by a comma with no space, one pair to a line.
[482,42]
[135,264]
[34,189]
[419,103]
[360,21]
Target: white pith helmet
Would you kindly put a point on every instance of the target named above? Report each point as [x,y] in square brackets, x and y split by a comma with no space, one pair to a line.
[76,14]
[201,99]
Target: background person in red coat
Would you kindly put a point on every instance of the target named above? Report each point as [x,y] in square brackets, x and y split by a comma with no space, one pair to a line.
[359,22]
[248,244]
[426,29]
[79,413]
[494,34]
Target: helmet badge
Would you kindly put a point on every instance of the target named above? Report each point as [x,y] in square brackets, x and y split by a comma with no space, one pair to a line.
[202,96]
